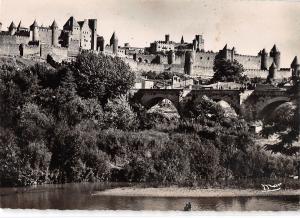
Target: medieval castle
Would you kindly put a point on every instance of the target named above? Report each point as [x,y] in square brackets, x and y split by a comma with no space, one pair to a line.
[163,55]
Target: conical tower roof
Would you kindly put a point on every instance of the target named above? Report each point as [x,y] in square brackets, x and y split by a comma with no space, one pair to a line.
[295,62]
[225,47]
[54,24]
[114,36]
[182,40]
[35,24]
[274,49]
[273,66]
[20,26]
[12,25]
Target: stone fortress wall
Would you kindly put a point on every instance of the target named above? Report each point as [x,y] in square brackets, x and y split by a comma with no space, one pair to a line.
[40,41]
[181,57]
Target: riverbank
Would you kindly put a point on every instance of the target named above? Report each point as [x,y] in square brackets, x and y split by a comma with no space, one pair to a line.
[191,192]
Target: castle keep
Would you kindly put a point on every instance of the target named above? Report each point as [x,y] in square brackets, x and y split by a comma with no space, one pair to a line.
[40,41]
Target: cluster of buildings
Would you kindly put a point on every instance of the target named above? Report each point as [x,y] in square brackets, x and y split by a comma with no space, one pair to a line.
[38,41]
[41,41]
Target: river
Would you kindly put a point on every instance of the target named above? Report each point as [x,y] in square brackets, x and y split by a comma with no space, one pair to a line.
[80,196]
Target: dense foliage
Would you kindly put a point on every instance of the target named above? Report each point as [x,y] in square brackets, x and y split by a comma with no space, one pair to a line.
[228,71]
[285,123]
[74,124]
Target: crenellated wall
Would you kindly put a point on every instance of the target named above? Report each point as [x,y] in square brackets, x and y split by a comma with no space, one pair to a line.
[7,39]
[204,59]
[249,62]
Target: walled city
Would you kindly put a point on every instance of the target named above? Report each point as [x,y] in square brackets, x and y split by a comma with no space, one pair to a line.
[38,42]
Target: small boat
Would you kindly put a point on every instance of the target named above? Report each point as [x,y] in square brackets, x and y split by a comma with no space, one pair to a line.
[271,188]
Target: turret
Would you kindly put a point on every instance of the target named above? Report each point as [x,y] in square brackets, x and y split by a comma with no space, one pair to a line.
[275,54]
[12,29]
[167,38]
[189,62]
[272,72]
[223,52]
[182,40]
[197,38]
[55,33]
[295,66]
[114,43]
[264,59]
[93,26]
[100,43]
[0,26]
[21,27]
[35,31]
[171,57]
[195,44]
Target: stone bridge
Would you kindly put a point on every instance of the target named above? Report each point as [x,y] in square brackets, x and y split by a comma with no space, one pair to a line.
[256,104]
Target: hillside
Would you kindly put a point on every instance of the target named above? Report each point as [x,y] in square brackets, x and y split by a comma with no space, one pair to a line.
[19,62]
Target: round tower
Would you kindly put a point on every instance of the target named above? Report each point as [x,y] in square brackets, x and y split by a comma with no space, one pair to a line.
[35,31]
[189,62]
[55,33]
[264,59]
[12,29]
[275,54]
[100,43]
[182,40]
[295,66]
[194,44]
[171,57]
[0,26]
[114,43]
[272,72]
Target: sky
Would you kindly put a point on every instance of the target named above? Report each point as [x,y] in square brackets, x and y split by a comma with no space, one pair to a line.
[248,25]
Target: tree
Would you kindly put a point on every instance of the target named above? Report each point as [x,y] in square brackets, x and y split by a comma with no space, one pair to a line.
[119,114]
[227,70]
[102,77]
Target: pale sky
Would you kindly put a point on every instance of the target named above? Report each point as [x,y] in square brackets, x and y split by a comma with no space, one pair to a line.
[248,25]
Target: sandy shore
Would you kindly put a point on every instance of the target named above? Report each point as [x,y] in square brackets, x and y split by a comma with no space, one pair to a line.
[190,192]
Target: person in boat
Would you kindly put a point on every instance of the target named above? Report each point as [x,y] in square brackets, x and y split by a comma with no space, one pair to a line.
[188,207]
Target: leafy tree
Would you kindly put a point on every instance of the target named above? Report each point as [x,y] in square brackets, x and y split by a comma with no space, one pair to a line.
[119,114]
[102,77]
[227,70]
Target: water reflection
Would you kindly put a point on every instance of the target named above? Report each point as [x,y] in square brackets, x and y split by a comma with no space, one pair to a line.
[79,196]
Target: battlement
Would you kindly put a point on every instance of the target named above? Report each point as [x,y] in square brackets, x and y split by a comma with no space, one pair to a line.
[247,56]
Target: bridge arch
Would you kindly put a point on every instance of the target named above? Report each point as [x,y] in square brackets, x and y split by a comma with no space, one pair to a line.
[265,110]
[150,102]
[230,100]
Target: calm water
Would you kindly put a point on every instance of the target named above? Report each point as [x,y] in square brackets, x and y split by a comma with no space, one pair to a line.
[80,196]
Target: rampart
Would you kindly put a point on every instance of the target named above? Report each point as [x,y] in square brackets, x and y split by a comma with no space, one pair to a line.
[8,39]
[9,50]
